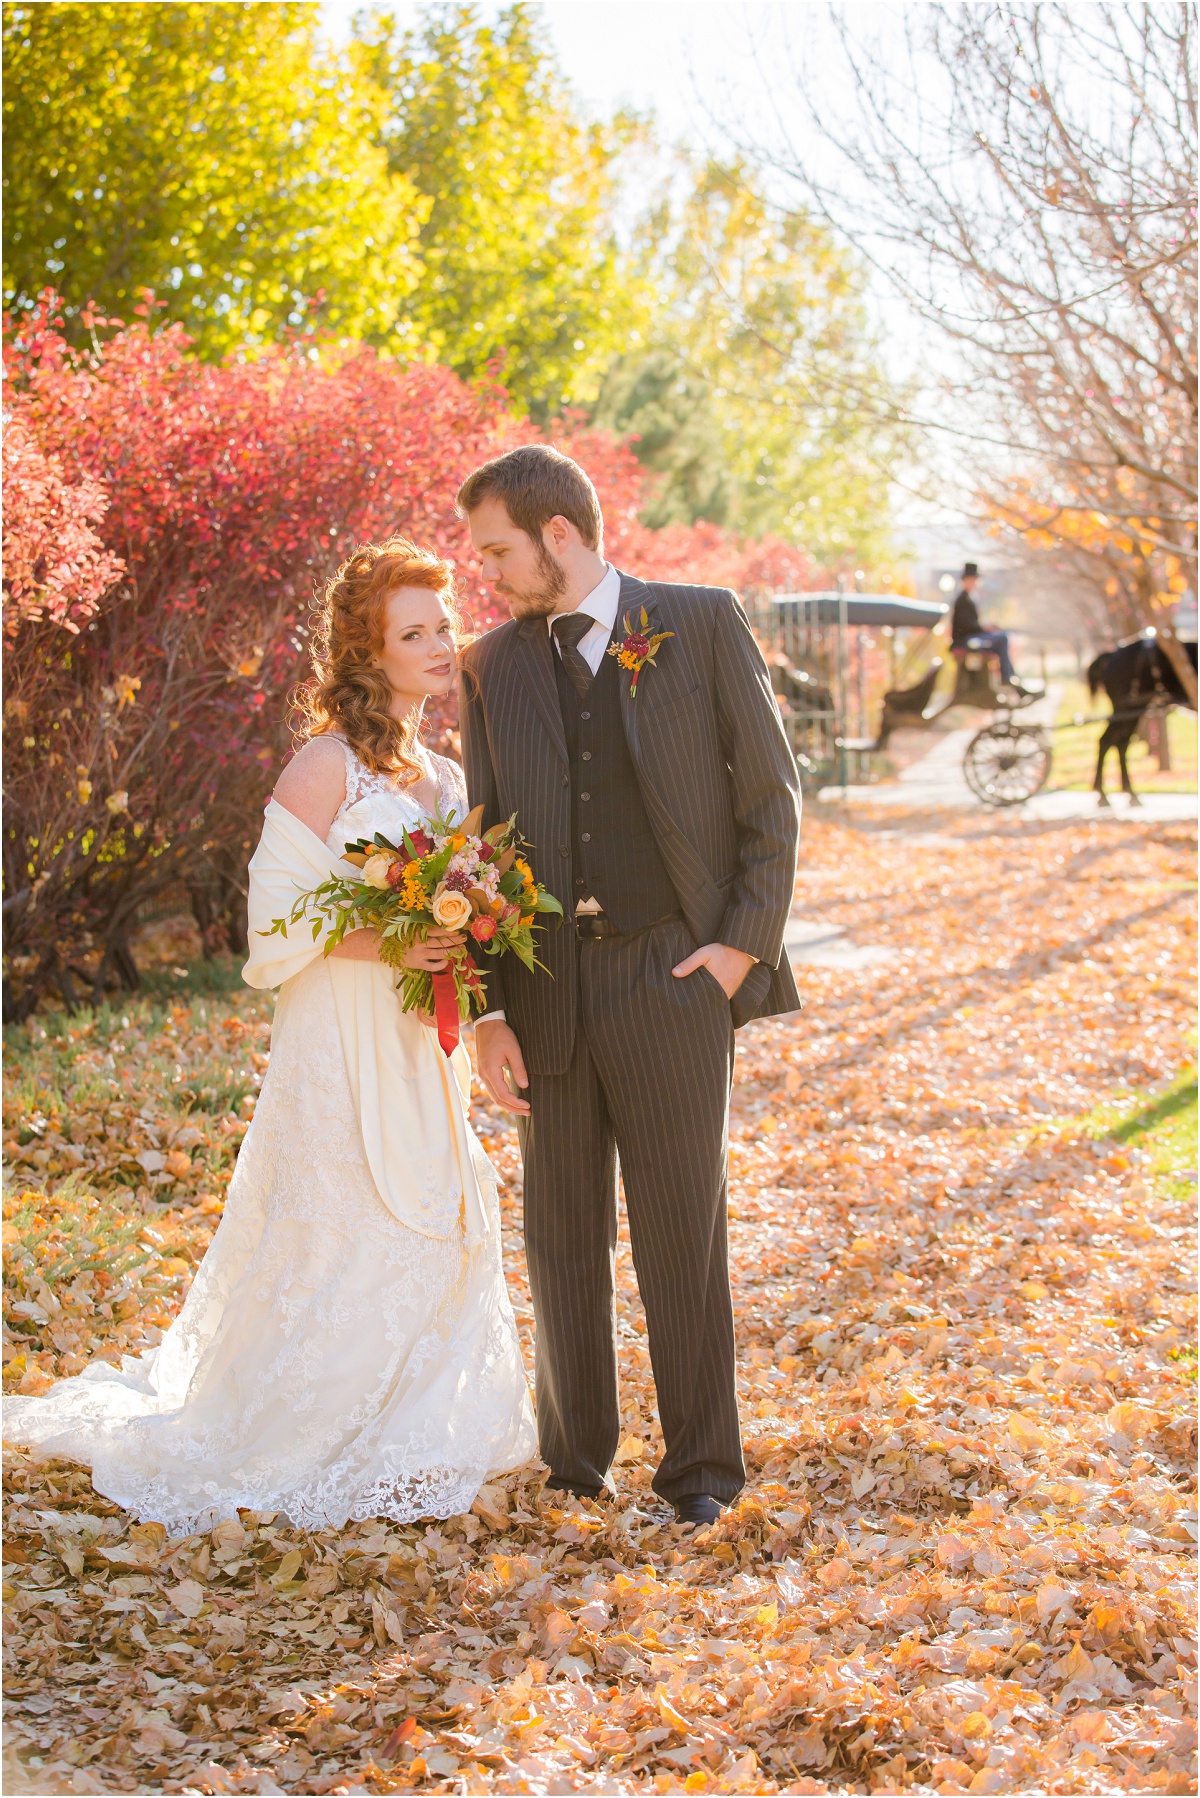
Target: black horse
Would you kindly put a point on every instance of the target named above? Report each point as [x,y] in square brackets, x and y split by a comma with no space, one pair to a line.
[1135,675]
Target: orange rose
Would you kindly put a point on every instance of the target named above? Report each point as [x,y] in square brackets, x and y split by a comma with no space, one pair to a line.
[450,909]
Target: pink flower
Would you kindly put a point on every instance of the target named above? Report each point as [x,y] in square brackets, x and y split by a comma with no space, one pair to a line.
[483,929]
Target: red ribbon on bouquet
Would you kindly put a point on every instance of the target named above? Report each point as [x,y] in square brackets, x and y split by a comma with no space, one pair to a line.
[445,1010]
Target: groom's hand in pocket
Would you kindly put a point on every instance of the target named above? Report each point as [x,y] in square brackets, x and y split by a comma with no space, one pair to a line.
[728,967]
[497,1049]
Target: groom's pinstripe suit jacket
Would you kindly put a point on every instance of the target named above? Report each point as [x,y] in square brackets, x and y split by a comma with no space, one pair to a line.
[717,778]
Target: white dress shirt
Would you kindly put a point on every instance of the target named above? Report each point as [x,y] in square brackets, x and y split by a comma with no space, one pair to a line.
[600,604]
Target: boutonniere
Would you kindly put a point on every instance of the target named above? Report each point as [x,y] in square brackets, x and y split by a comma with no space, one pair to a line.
[639,647]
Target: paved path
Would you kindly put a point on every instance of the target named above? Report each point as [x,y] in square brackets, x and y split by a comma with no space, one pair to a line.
[936,783]
[826,945]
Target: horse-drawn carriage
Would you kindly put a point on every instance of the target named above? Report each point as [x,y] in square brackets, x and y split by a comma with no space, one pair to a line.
[817,648]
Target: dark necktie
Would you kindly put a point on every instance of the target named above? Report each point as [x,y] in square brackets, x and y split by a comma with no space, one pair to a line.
[569,632]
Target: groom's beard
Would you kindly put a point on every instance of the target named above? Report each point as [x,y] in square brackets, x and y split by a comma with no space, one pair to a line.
[542,600]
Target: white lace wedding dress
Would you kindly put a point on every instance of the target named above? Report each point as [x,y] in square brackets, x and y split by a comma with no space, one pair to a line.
[348,1348]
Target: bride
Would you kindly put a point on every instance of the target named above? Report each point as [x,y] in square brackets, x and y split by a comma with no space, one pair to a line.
[348,1349]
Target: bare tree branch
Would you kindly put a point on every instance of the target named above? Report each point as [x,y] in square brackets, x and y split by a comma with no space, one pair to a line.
[1023,175]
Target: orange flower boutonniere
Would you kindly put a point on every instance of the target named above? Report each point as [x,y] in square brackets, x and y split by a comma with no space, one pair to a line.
[639,647]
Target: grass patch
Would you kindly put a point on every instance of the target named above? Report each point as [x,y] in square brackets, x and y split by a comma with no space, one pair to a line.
[72,1231]
[183,981]
[152,1094]
[1160,1128]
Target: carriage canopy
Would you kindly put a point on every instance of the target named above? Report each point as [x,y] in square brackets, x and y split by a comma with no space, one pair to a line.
[876,609]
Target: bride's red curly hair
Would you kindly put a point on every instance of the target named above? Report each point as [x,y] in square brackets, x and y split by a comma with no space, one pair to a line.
[350,693]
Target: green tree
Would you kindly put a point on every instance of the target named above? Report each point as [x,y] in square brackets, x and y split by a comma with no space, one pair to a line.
[655,396]
[216,153]
[521,259]
[763,401]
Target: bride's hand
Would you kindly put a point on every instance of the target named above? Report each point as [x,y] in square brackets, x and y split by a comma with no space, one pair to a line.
[357,945]
[433,953]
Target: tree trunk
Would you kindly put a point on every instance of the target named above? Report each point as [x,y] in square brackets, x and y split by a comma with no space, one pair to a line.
[203,911]
[1180,661]
[1153,732]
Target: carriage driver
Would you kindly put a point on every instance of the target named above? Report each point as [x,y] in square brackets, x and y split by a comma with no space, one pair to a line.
[966,630]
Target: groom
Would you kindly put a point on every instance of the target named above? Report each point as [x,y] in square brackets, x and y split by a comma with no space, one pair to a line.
[666,822]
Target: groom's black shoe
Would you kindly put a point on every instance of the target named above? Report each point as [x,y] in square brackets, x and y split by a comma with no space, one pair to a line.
[697,1508]
[568,1489]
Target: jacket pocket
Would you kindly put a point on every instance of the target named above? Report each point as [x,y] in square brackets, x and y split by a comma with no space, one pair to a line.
[668,707]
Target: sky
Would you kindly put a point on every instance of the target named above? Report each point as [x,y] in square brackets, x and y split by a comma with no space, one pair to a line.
[672,57]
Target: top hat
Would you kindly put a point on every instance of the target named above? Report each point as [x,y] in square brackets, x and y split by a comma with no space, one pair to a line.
[970,571]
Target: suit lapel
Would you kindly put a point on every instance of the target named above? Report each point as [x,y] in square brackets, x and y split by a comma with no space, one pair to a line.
[634,595]
[691,878]
[534,659]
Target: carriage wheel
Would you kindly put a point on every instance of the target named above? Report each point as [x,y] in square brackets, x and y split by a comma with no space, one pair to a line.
[1007,763]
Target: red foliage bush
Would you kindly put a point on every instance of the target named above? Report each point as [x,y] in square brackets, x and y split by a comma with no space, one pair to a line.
[168,524]
[55,566]
[141,746]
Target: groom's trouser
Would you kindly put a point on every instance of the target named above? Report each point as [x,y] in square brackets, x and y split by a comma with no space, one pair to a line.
[649,1081]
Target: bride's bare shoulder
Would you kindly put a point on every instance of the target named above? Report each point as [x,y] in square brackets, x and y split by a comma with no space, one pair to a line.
[313,785]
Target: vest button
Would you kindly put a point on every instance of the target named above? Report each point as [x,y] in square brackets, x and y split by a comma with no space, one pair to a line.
[566,780]
[587,755]
[585,716]
[585,795]
[586,837]
[563,850]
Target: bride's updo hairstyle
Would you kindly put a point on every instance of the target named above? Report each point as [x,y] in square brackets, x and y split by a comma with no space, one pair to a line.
[350,693]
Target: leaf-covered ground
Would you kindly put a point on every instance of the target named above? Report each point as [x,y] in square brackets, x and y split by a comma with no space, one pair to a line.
[961,1226]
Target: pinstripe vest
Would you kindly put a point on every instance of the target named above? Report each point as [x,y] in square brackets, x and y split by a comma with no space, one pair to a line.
[615,857]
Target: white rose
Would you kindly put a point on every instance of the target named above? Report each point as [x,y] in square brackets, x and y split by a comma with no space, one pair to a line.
[450,909]
[375,870]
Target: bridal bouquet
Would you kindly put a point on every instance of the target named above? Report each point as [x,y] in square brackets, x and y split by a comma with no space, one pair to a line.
[443,876]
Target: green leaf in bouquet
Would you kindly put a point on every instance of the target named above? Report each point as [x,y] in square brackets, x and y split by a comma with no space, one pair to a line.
[392,950]
[523,953]
[547,902]
[434,866]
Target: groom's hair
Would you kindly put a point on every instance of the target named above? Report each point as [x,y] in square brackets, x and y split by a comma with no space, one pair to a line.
[537,483]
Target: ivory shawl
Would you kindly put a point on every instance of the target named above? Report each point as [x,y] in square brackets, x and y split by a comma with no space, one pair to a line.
[409,1099]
